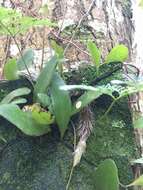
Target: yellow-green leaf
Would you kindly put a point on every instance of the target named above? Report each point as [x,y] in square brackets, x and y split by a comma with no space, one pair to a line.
[41,117]
[137,182]
[118,54]
[94,53]
[10,70]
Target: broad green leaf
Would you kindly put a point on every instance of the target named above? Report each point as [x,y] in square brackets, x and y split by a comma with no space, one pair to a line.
[43,99]
[15,94]
[106,176]
[23,120]
[85,99]
[45,77]
[61,103]
[27,58]
[11,70]
[94,53]
[94,92]
[118,53]
[137,182]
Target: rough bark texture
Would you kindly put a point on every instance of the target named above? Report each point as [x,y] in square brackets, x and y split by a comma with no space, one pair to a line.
[109,21]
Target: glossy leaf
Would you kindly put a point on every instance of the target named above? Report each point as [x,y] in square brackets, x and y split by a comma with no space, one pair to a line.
[11,70]
[15,94]
[137,182]
[118,54]
[45,77]
[27,58]
[61,103]
[106,176]
[94,53]
[22,120]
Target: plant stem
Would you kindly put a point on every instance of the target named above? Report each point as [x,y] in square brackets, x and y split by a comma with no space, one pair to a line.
[109,108]
[72,169]
[13,37]
[70,176]
[123,186]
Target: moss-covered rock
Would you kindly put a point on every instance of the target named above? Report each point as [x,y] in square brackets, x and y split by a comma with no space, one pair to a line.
[44,163]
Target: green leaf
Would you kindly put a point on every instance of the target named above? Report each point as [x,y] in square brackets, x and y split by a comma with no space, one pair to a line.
[61,103]
[89,96]
[118,53]
[106,176]
[19,101]
[27,57]
[22,120]
[45,77]
[59,53]
[58,49]
[95,54]
[14,94]
[137,182]
[43,99]
[85,99]
[13,22]
[10,70]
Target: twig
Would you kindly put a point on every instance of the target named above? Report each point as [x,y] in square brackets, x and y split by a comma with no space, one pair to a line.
[80,21]
[71,42]
[109,108]
[8,42]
